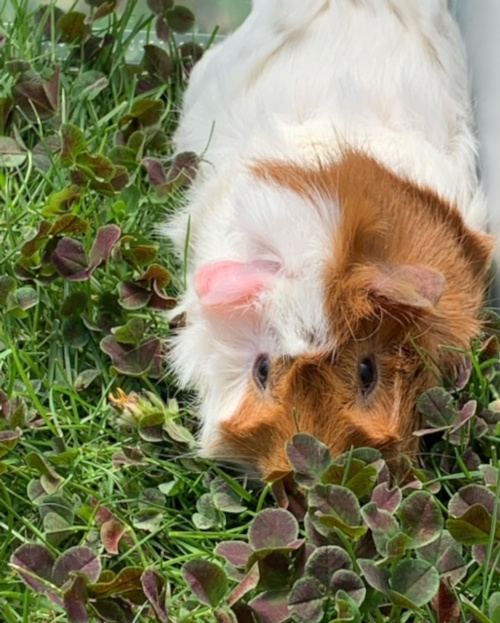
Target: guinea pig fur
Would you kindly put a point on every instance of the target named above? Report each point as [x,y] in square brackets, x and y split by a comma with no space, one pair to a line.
[334,230]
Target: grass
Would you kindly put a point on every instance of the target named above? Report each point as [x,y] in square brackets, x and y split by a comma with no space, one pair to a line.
[86,157]
[45,350]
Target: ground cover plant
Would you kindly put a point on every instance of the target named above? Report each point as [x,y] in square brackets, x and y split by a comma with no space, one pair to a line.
[105,512]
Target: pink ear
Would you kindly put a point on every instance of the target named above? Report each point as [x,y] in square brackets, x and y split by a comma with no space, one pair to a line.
[230,285]
[410,285]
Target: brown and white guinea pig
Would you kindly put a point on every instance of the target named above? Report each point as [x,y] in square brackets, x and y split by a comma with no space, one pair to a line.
[333,233]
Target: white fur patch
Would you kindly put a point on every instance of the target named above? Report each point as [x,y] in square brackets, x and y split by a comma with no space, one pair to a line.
[298,82]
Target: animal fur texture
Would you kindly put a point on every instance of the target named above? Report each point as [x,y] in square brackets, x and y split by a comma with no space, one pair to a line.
[334,227]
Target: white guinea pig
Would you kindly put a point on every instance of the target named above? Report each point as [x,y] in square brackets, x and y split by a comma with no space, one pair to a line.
[332,247]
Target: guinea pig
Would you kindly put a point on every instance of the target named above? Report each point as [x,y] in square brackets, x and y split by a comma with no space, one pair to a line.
[336,264]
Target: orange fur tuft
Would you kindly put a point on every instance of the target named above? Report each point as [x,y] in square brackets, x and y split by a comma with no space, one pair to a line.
[406,277]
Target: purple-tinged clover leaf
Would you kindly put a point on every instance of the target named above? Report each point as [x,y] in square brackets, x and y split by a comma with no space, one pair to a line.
[159,7]
[333,507]
[446,605]
[70,260]
[74,332]
[34,563]
[491,475]
[469,496]
[237,553]
[157,62]
[446,555]
[155,590]
[58,505]
[464,374]
[413,582]
[138,252]
[103,9]
[162,29]
[130,333]
[347,609]
[156,274]
[52,89]
[33,98]
[350,583]
[207,580]
[352,474]
[273,529]
[227,501]
[106,239]
[127,584]
[324,562]
[249,583]
[77,559]
[112,531]
[95,168]
[397,545]
[377,577]
[466,413]
[274,568]
[75,599]
[474,527]
[180,19]
[181,174]
[147,112]
[73,143]
[36,491]
[50,479]
[73,27]
[271,606]
[383,525]
[156,171]
[289,496]
[11,153]
[190,53]
[56,527]
[9,440]
[387,499]
[309,458]
[89,84]
[421,518]
[114,610]
[125,157]
[307,600]
[160,301]
[133,296]
[437,407]
[379,520]
[207,516]
[134,360]
[69,224]
[22,299]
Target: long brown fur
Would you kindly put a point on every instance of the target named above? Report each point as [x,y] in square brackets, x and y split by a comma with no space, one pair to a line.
[406,278]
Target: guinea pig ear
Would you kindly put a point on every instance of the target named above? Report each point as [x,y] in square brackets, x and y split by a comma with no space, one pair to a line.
[227,286]
[408,285]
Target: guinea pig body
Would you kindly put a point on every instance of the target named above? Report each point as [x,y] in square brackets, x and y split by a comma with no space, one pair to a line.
[333,247]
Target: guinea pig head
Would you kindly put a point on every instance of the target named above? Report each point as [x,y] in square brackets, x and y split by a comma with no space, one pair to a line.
[402,280]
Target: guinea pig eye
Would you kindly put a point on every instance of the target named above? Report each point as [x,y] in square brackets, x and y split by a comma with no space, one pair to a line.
[261,370]
[367,375]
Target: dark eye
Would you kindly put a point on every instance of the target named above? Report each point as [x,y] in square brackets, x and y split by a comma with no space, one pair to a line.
[261,370]
[367,375]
